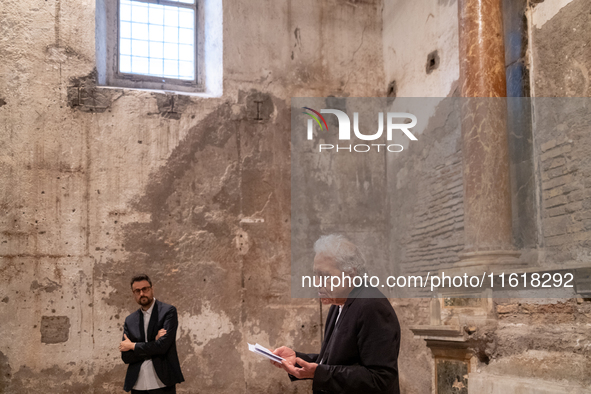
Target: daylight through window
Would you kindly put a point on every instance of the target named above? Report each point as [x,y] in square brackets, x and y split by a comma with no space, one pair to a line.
[157,38]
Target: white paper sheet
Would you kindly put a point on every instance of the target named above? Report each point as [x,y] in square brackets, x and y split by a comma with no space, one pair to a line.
[258,349]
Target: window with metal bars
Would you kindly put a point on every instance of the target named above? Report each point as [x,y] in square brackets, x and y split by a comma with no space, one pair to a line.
[157,38]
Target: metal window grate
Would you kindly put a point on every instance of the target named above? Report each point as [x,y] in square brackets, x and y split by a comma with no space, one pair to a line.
[156,39]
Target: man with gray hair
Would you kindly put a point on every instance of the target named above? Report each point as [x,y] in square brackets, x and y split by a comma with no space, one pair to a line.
[359,353]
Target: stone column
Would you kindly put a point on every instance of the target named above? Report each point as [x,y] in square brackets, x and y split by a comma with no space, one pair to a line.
[487,193]
[482,49]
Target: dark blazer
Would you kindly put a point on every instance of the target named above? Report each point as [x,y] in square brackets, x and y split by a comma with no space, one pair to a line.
[361,352]
[162,351]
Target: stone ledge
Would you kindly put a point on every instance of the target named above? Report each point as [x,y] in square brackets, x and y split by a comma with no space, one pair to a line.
[483,383]
[439,333]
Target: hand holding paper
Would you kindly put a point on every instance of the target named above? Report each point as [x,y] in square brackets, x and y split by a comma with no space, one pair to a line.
[264,352]
[293,365]
[287,354]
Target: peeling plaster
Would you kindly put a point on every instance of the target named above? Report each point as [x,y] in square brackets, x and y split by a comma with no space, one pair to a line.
[545,11]
[255,335]
[204,327]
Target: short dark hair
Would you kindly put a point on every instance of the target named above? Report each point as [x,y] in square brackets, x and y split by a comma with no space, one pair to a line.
[139,278]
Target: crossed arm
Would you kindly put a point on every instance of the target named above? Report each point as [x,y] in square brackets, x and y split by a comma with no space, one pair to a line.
[132,352]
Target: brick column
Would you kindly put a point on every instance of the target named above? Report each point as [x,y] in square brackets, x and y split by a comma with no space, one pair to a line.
[487,192]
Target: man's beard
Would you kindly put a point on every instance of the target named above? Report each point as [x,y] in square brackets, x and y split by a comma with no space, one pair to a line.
[145,301]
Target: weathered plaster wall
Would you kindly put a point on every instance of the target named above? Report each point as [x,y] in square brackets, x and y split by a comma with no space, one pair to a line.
[412,31]
[560,57]
[97,184]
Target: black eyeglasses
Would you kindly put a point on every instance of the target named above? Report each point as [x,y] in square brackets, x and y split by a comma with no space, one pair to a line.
[143,289]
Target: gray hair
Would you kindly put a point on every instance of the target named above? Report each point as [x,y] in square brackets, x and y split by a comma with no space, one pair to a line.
[346,254]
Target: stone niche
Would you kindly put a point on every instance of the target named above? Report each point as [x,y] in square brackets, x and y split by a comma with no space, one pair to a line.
[453,318]
[55,329]
[452,367]
[452,355]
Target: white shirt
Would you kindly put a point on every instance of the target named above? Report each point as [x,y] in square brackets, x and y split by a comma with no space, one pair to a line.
[147,379]
[339,315]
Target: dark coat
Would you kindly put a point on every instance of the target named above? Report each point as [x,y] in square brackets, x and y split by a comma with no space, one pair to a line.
[361,353]
[162,351]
